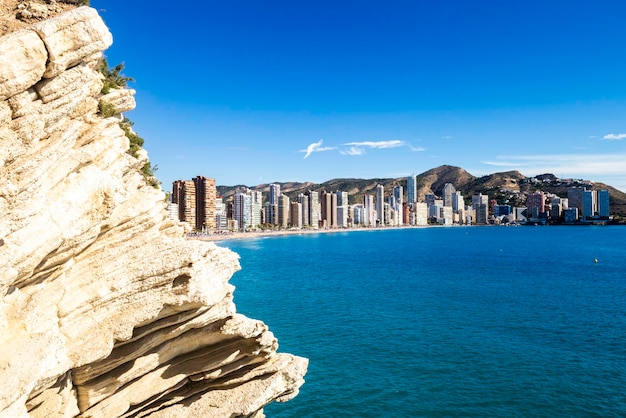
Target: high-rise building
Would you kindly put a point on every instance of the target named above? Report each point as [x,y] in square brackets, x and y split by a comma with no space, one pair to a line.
[480,208]
[380,204]
[342,198]
[536,204]
[411,185]
[369,210]
[328,212]
[242,210]
[458,203]
[430,198]
[283,210]
[575,198]
[448,192]
[314,208]
[274,193]
[358,214]
[590,204]
[603,204]
[206,193]
[184,195]
[196,202]
[304,201]
[295,215]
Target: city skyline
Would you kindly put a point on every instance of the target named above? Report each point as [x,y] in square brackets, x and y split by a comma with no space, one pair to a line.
[197,203]
[278,92]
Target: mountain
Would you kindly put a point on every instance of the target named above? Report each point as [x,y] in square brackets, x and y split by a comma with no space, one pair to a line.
[509,187]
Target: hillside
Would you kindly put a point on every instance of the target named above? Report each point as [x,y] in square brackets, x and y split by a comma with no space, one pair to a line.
[510,187]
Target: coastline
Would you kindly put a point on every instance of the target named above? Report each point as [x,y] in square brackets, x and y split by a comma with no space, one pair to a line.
[263,234]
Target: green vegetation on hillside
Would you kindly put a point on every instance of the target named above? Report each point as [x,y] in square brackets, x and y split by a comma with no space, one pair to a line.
[113,79]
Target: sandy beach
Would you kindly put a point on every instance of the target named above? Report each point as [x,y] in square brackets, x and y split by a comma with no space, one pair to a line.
[276,233]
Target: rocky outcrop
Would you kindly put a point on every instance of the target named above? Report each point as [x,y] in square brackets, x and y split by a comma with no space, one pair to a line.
[106,310]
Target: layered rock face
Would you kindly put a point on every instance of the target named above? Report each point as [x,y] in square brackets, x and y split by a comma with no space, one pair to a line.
[106,310]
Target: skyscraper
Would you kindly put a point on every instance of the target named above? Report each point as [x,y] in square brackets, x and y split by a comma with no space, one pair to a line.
[184,195]
[206,194]
[284,207]
[274,193]
[304,201]
[380,204]
[480,207]
[242,210]
[603,203]
[314,208]
[590,204]
[411,186]
[448,192]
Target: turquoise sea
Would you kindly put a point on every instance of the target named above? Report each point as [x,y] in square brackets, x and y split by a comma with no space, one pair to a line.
[446,321]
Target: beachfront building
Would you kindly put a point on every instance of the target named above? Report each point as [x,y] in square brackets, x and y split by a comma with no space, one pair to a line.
[274,193]
[206,194]
[184,195]
[398,201]
[380,204]
[242,210]
[358,214]
[480,208]
[304,202]
[196,202]
[590,204]
[603,204]
[448,192]
[445,215]
[411,185]
[575,198]
[420,214]
[536,204]
[343,209]
[314,208]
[458,203]
[295,215]
[328,206]
[370,210]
[283,210]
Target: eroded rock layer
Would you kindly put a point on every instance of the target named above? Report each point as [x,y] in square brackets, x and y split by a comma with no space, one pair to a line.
[106,310]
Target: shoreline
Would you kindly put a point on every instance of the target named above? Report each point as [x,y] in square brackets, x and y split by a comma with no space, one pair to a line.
[263,234]
[218,237]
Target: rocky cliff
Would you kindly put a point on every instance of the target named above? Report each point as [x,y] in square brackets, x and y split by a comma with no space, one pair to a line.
[106,310]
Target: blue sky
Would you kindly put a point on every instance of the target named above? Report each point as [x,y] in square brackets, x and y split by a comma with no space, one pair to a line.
[259,92]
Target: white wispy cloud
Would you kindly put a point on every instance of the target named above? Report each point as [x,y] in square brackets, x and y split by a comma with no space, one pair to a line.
[614,137]
[353,151]
[315,147]
[394,143]
[359,147]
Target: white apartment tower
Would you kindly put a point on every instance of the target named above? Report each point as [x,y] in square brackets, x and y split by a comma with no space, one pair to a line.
[242,210]
[380,204]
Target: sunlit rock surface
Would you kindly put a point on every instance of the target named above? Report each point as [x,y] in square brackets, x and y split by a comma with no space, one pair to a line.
[106,309]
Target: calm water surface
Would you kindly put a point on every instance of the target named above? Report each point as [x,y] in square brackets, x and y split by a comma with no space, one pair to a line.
[446,322]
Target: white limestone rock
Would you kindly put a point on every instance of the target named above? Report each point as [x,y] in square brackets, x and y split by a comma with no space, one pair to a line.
[72,36]
[23,58]
[105,308]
